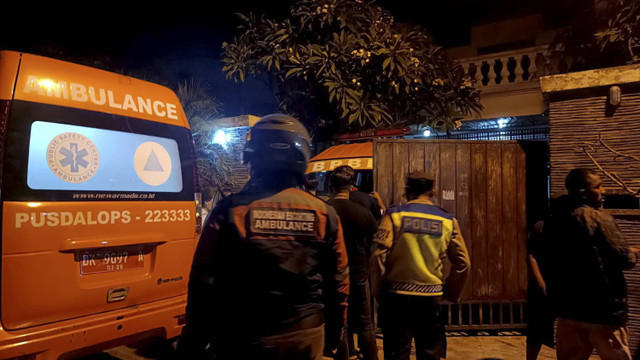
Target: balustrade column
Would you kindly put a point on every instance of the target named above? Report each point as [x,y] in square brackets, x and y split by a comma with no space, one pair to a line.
[541,64]
[500,67]
[511,67]
[491,73]
[474,73]
[518,71]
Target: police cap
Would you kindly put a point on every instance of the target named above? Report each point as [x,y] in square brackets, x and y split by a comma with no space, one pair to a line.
[419,181]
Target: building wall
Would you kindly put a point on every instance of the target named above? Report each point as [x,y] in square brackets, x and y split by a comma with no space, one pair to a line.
[509,34]
[586,131]
[581,135]
[505,60]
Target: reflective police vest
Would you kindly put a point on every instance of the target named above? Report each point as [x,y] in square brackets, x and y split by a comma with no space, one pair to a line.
[417,235]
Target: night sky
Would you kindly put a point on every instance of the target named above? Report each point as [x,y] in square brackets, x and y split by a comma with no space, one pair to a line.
[182,40]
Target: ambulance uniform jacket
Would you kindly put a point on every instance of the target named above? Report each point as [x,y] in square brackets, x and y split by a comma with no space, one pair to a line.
[409,249]
[271,260]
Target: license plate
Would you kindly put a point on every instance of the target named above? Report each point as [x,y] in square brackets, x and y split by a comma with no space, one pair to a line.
[101,261]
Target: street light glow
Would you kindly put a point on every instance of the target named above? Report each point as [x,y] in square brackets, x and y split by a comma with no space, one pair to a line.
[221,138]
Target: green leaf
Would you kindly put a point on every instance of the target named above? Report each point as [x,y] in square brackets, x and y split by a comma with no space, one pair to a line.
[317,76]
[292,71]
[386,63]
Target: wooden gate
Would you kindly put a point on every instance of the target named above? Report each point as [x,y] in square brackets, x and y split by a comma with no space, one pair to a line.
[483,184]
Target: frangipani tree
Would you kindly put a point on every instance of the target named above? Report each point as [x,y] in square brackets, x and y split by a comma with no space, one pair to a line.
[604,33]
[346,65]
[623,28]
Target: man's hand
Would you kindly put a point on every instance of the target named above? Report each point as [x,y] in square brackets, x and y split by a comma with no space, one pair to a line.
[376,196]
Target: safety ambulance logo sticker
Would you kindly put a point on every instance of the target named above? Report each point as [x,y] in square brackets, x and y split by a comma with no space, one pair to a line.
[152,163]
[73,157]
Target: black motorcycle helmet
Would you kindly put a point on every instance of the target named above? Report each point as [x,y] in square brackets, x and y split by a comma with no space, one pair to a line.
[278,143]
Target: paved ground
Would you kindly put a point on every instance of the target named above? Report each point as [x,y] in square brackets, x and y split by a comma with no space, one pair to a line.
[508,346]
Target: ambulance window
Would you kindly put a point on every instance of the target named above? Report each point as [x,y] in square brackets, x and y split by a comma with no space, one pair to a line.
[71,157]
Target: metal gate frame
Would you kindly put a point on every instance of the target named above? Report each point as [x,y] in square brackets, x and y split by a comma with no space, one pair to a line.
[486,315]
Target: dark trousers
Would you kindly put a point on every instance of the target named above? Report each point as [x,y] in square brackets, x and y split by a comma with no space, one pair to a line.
[407,317]
[360,318]
[305,344]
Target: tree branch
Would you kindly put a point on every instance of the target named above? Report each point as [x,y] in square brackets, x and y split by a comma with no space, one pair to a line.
[613,176]
[618,153]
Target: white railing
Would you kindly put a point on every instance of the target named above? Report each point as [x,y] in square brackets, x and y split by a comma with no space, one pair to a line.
[510,67]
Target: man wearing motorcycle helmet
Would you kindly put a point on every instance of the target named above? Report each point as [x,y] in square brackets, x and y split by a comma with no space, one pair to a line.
[270,270]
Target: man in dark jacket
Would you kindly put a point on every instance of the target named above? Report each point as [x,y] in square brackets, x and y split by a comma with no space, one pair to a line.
[541,323]
[366,200]
[586,255]
[271,267]
[359,226]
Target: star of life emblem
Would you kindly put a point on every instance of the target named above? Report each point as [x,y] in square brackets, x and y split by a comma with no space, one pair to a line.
[73,157]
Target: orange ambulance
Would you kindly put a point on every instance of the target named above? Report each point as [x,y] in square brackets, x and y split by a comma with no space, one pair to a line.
[98,209]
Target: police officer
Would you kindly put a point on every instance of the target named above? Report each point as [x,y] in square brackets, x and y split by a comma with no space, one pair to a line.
[408,253]
[271,266]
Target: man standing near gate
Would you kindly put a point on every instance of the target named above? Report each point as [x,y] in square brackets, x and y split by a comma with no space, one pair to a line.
[407,266]
[359,226]
[586,255]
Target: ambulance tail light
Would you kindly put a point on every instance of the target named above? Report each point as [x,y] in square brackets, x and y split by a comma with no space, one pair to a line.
[199,219]
[196,185]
